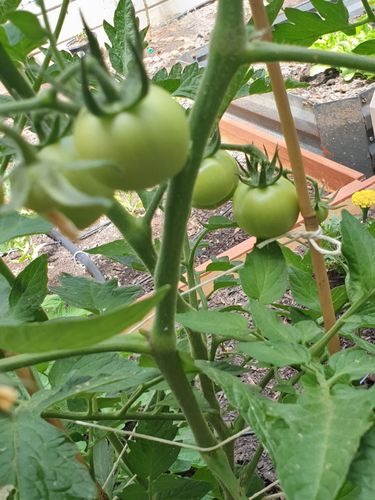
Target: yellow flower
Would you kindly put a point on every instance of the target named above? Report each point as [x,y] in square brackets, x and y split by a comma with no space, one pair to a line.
[364,199]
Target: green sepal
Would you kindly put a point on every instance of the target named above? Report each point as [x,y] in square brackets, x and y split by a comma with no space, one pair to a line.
[93,44]
[261,171]
[91,103]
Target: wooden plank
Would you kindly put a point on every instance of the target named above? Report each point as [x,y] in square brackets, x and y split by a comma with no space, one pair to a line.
[328,172]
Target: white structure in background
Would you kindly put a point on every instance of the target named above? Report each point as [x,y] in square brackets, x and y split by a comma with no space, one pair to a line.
[96,10]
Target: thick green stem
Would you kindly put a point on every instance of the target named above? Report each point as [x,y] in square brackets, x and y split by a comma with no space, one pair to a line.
[112,416]
[131,342]
[217,461]
[228,40]
[259,51]
[136,233]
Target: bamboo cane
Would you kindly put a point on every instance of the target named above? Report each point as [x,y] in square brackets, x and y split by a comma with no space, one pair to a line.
[290,134]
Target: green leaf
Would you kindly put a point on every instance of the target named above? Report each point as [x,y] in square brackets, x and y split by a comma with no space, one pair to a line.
[7,6]
[180,82]
[39,461]
[13,225]
[352,363]
[149,459]
[180,488]
[323,430]
[226,324]
[270,326]
[218,222]
[361,471]
[103,458]
[366,48]
[277,353]
[74,333]
[29,290]
[22,35]
[308,331]
[339,297]
[98,298]
[364,318]
[264,276]
[222,264]
[93,373]
[304,28]
[125,27]
[358,248]
[363,344]
[119,251]
[304,289]
[98,366]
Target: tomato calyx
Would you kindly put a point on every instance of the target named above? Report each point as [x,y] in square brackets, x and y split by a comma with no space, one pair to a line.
[260,171]
[114,98]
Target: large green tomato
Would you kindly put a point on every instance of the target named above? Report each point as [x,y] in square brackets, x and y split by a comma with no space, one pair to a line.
[216,181]
[266,212]
[51,178]
[149,142]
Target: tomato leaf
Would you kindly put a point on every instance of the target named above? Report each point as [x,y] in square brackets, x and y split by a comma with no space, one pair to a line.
[96,297]
[358,248]
[270,326]
[180,82]
[29,290]
[149,459]
[351,363]
[22,34]
[361,472]
[264,276]
[304,28]
[304,288]
[277,353]
[13,225]
[74,333]
[125,27]
[93,373]
[323,428]
[7,6]
[38,459]
[225,324]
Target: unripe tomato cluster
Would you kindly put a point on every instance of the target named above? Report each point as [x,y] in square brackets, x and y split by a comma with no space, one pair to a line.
[137,149]
[264,212]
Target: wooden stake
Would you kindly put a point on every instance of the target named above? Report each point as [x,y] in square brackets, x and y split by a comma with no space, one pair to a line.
[294,150]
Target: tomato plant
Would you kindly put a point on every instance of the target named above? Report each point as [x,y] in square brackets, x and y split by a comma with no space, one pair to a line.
[89,412]
[149,142]
[216,181]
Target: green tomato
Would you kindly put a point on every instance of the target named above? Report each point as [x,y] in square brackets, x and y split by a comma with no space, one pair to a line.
[149,143]
[54,186]
[216,181]
[266,212]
